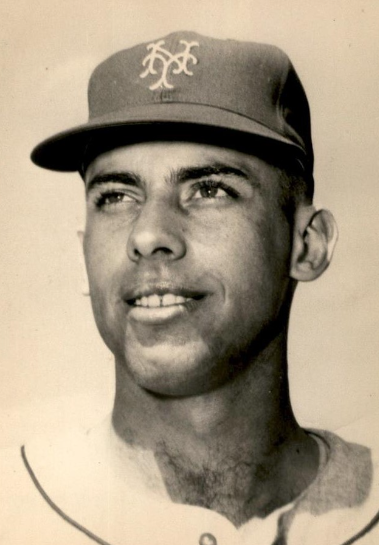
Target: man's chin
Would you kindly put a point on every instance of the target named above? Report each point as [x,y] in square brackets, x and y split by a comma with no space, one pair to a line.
[170,370]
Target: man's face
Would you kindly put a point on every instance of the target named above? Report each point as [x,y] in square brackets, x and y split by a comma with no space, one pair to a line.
[187,252]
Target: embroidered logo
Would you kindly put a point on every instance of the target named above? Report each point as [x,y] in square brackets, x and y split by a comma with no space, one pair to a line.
[165,59]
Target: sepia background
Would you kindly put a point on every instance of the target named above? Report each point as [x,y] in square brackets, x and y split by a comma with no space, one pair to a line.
[55,371]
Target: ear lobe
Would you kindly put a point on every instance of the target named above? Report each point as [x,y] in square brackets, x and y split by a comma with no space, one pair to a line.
[85,285]
[315,237]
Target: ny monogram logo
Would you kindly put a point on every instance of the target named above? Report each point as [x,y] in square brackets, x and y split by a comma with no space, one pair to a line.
[166,59]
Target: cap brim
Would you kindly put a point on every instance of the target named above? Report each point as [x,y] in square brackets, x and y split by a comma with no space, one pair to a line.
[65,151]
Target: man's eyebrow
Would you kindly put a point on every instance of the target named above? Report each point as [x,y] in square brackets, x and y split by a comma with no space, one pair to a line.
[181,175]
[123,177]
[186,174]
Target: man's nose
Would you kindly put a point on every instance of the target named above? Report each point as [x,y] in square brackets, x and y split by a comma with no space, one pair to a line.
[157,233]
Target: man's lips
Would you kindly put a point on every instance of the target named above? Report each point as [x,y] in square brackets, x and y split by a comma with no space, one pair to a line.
[161,295]
[160,304]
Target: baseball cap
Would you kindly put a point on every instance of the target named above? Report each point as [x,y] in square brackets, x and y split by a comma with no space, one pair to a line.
[187,79]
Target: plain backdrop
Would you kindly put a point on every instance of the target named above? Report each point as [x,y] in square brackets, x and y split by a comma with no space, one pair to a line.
[55,371]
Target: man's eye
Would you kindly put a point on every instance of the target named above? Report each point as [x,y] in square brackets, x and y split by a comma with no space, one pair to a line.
[210,189]
[110,198]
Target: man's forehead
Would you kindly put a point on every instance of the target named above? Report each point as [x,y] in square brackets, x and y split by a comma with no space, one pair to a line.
[151,159]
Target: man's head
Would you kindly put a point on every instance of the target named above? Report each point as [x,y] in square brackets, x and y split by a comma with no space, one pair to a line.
[197,161]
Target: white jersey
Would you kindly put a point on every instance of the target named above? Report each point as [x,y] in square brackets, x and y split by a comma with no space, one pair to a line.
[74,491]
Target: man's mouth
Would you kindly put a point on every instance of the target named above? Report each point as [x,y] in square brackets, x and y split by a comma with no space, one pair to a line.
[156,301]
[159,304]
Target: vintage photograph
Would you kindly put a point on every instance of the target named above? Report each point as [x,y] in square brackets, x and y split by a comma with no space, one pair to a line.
[190,270]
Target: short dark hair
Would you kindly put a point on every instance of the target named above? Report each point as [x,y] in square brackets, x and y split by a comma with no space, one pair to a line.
[297,187]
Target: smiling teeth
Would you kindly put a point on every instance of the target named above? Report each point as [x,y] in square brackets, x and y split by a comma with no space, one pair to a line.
[166,300]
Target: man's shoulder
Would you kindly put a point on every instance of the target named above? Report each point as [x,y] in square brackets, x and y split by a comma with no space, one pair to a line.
[11,472]
[347,474]
[15,484]
[27,514]
[342,504]
[21,507]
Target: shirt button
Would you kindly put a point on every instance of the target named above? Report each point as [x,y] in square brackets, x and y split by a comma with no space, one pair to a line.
[207,539]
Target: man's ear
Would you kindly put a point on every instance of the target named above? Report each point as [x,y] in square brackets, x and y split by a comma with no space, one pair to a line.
[315,236]
[85,285]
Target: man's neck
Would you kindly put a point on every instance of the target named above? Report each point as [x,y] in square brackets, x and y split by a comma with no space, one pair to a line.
[237,450]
